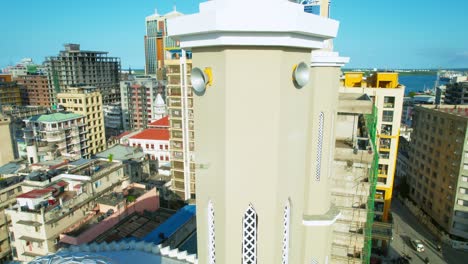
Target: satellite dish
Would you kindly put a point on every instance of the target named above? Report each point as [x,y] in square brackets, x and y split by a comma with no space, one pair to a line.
[301,74]
[201,79]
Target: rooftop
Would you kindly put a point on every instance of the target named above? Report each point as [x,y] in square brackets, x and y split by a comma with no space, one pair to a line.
[120,152]
[171,225]
[55,117]
[10,168]
[152,134]
[163,122]
[38,193]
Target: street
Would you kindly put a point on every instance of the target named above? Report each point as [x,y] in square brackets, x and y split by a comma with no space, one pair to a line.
[407,227]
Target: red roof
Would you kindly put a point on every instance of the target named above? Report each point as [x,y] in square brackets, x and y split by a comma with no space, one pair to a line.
[36,193]
[153,134]
[160,123]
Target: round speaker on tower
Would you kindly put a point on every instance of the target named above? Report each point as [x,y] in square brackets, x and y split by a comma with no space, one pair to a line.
[301,75]
[201,79]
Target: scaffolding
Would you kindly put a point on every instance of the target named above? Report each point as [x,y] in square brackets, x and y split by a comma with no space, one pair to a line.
[371,121]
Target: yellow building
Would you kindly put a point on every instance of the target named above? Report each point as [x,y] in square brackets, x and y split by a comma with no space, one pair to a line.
[6,151]
[387,95]
[88,102]
[180,106]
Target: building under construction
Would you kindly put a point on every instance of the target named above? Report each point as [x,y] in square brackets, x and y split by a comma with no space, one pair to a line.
[74,67]
[354,179]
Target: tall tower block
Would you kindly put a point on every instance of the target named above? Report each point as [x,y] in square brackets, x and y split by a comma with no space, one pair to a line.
[263,145]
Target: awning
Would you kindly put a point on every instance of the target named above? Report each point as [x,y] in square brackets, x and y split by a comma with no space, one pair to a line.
[32,239]
[29,223]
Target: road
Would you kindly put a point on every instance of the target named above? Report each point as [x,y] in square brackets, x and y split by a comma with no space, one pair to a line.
[407,227]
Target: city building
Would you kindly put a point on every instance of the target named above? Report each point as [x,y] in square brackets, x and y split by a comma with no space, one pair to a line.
[387,94]
[86,101]
[6,151]
[34,89]
[10,93]
[50,206]
[438,160]
[354,179]
[155,144]
[24,67]
[181,120]
[263,178]
[113,119]
[157,41]
[142,101]
[57,135]
[456,93]
[10,187]
[136,164]
[17,114]
[73,66]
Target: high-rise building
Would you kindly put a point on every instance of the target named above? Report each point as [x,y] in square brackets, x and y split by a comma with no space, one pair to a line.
[354,179]
[142,101]
[113,119]
[86,101]
[34,89]
[6,151]
[438,161]
[10,94]
[157,41]
[180,106]
[51,136]
[387,95]
[83,67]
[263,177]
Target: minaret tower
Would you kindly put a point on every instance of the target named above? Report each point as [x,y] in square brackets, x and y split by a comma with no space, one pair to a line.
[263,141]
[160,109]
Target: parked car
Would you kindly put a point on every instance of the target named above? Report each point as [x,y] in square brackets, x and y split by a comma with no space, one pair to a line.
[418,245]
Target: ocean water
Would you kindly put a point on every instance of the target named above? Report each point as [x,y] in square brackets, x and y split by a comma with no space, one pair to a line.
[418,83]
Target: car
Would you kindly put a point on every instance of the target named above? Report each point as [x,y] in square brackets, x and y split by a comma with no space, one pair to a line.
[418,245]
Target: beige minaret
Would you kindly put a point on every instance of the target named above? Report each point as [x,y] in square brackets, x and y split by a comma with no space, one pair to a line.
[263,144]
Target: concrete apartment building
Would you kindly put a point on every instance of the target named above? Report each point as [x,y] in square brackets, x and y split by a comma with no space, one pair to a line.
[142,101]
[246,140]
[456,92]
[9,188]
[34,90]
[354,179]
[77,67]
[113,119]
[6,151]
[157,42]
[438,175]
[181,120]
[52,206]
[51,136]
[10,94]
[87,101]
[387,94]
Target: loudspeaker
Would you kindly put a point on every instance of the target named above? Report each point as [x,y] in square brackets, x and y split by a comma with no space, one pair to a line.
[301,74]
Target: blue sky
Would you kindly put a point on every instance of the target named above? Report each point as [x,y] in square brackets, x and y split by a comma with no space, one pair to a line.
[374,33]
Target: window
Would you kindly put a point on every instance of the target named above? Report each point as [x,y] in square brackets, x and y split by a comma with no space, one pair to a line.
[211,234]
[319,147]
[249,239]
[286,220]
[387,116]
[97,184]
[389,102]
